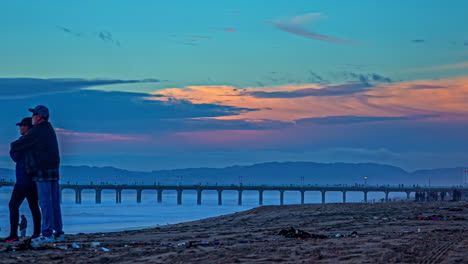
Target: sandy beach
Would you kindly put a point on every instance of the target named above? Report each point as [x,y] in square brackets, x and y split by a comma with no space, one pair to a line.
[336,233]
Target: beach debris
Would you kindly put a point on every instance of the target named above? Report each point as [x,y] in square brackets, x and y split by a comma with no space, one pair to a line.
[441,217]
[352,234]
[63,247]
[419,230]
[440,230]
[105,249]
[136,244]
[296,233]
[453,209]
[95,244]
[168,244]
[75,245]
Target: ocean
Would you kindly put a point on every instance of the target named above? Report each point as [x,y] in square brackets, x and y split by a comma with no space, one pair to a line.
[108,216]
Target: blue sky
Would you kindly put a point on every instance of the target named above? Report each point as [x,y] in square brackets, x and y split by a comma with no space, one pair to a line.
[217,83]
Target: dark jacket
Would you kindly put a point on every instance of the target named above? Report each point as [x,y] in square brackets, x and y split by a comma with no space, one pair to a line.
[41,149]
[22,177]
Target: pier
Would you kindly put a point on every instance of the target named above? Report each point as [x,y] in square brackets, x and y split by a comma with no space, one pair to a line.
[421,193]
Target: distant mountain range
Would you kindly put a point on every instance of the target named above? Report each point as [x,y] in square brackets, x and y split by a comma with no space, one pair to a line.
[264,173]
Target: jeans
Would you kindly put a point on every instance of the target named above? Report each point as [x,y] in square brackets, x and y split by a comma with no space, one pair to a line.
[23,232]
[20,192]
[49,200]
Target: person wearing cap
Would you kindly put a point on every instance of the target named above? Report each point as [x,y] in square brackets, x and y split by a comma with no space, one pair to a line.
[25,188]
[42,164]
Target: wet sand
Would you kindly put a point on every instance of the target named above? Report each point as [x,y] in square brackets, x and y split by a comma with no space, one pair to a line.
[407,232]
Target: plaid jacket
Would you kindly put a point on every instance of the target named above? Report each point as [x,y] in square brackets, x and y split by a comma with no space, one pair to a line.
[46,175]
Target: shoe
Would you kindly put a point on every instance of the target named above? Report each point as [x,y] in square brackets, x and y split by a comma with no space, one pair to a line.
[43,239]
[10,239]
[60,238]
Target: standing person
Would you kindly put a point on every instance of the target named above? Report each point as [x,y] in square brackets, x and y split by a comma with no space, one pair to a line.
[42,163]
[23,225]
[25,188]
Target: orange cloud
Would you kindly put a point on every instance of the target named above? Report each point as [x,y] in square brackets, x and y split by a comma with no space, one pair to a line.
[447,97]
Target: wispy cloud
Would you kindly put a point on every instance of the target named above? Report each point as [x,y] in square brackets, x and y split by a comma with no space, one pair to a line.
[27,87]
[296,25]
[197,37]
[102,35]
[314,77]
[455,66]
[425,87]
[187,43]
[72,136]
[106,36]
[366,77]
[418,41]
[69,31]
[343,120]
[229,29]
[334,90]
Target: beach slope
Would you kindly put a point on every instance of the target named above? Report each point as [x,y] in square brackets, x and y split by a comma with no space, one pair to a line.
[407,232]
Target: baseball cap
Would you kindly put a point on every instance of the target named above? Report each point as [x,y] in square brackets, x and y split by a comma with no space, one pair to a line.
[27,121]
[40,110]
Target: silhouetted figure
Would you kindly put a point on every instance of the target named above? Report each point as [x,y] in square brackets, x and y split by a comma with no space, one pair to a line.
[23,225]
[25,188]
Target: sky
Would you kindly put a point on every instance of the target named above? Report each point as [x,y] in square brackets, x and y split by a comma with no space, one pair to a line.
[152,85]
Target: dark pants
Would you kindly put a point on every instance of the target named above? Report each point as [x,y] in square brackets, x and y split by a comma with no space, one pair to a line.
[20,192]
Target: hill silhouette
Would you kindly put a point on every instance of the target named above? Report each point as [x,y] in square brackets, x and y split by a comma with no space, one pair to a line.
[263,173]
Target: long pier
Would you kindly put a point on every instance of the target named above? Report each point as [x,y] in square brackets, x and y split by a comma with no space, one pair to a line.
[421,193]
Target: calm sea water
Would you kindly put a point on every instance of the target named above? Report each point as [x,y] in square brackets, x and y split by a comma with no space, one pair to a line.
[89,217]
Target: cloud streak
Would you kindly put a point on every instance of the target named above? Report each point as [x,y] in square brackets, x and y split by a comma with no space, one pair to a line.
[80,137]
[229,29]
[455,66]
[344,120]
[336,90]
[197,37]
[296,25]
[106,36]
[69,31]
[27,87]
[102,35]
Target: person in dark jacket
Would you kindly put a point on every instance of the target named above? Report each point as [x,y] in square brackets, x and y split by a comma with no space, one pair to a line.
[25,188]
[42,164]
[23,225]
